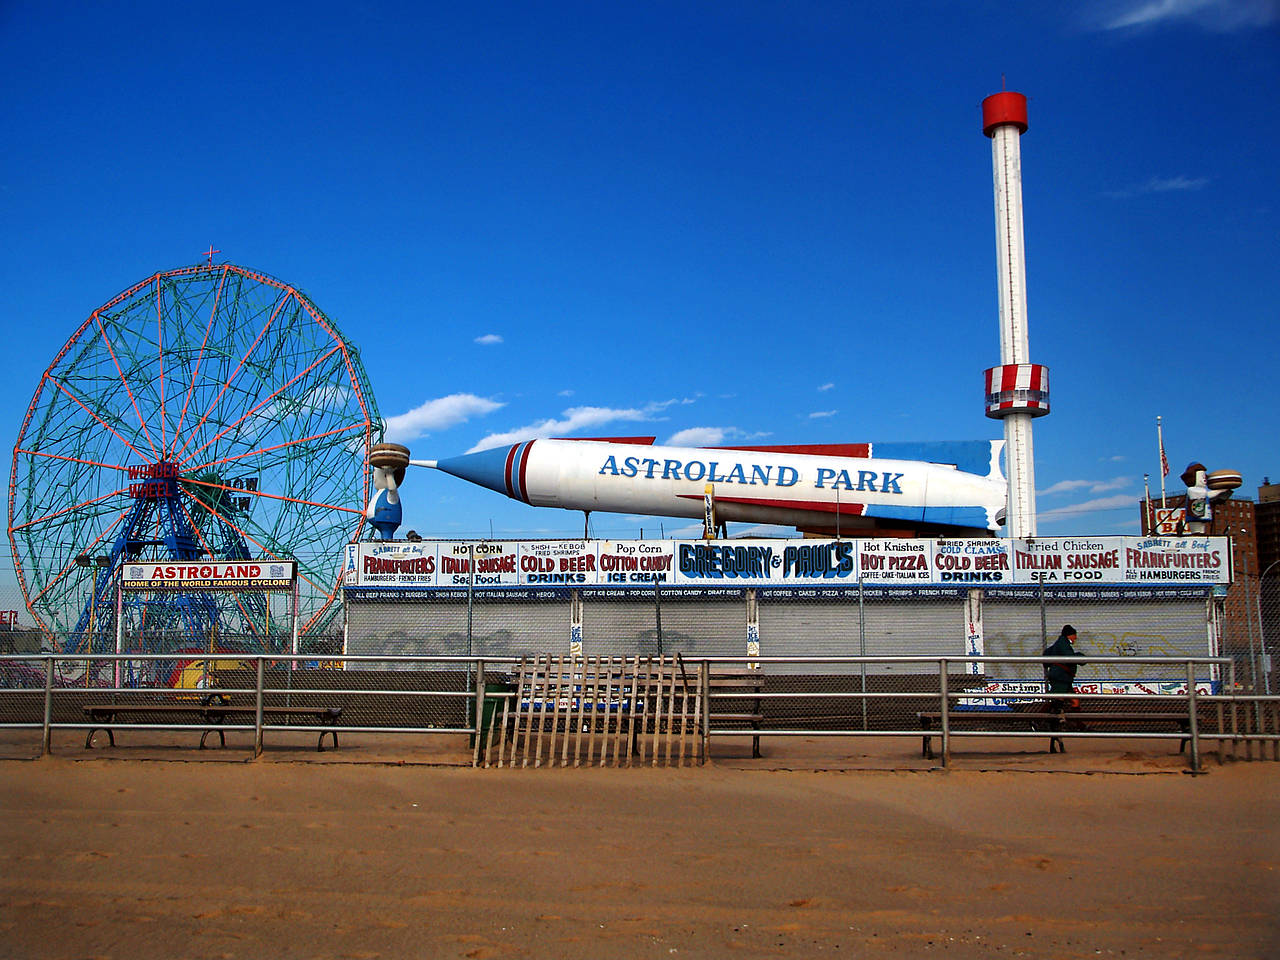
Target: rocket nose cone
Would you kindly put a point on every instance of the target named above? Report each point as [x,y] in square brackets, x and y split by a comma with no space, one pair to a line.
[488,468]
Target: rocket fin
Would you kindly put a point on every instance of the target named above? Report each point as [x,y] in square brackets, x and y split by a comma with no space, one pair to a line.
[639,441]
[861,450]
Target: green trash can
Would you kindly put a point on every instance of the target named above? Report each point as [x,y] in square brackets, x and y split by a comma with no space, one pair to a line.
[492,708]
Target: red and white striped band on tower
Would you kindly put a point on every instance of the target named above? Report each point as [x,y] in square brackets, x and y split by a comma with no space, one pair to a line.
[1017,388]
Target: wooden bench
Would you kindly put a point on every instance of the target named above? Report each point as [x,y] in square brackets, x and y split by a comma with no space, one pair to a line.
[931,720]
[1051,722]
[744,684]
[211,714]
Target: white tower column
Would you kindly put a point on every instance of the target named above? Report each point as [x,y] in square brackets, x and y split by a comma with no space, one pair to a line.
[1018,390]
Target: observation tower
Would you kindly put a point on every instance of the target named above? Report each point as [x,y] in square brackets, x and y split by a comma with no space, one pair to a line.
[1017,391]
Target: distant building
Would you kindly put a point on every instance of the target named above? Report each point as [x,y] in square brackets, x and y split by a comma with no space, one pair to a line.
[1267,520]
[1267,523]
[1251,611]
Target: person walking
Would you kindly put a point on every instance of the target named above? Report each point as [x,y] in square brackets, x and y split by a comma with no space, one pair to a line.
[1061,676]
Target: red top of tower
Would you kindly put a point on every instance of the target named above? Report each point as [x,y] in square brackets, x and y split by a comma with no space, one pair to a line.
[1004,107]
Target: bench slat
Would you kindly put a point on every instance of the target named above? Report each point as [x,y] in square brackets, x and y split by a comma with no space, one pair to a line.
[1057,722]
[214,714]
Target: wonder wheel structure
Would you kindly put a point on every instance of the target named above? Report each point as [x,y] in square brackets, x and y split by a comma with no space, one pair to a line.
[206,413]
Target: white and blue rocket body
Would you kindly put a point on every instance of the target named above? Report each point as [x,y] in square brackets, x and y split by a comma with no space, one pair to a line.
[947,489]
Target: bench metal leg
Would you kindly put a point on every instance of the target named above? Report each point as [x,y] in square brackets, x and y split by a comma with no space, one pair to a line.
[88,740]
[221,737]
[320,741]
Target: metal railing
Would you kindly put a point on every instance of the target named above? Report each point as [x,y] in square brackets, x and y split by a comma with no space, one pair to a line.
[449,695]
[253,697]
[948,709]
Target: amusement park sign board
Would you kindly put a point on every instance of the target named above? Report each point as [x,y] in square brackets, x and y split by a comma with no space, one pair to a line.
[212,575]
[1176,561]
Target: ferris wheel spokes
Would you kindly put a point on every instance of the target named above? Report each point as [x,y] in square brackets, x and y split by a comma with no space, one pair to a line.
[72,563]
[66,510]
[250,413]
[257,543]
[79,403]
[244,359]
[195,372]
[256,616]
[106,342]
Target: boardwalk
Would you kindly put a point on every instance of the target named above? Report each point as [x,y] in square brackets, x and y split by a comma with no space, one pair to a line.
[227,858]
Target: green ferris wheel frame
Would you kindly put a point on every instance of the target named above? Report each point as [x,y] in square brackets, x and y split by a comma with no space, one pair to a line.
[225,378]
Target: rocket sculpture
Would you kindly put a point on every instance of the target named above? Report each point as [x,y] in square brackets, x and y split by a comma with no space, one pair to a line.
[949,489]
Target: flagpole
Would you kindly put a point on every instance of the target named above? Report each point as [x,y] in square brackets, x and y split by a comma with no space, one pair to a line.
[1163,461]
[1151,520]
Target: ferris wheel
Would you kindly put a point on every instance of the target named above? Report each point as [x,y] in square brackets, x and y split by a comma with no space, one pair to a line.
[209,412]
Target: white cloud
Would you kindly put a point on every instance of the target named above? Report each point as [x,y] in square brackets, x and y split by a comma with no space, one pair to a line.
[489,339]
[682,530]
[1121,502]
[825,387]
[1178,184]
[1218,16]
[330,395]
[700,437]
[766,530]
[438,414]
[1093,486]
[715,437]
[573,420]
[1065,486]
[1169,184]
[688,532]
[565,393]
[819,414]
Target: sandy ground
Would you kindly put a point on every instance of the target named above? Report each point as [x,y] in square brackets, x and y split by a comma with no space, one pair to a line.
[157,852]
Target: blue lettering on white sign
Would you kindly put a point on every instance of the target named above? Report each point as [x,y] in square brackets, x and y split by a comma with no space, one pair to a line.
[717,562]
[818,560]
[840,480]
[763,475]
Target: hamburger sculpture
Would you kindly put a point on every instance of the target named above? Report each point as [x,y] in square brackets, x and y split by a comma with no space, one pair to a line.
[1204,487]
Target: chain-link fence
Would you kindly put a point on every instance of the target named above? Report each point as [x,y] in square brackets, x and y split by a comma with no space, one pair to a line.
[1251,629]
[866,622]
[929,699]
[873,622]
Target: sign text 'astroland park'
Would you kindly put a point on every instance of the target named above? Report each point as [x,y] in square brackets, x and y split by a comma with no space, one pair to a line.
[751,475]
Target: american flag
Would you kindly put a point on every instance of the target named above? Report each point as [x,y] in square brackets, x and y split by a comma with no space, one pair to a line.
[1164,461]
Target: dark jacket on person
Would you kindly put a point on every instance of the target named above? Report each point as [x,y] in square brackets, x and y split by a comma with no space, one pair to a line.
[1060,675]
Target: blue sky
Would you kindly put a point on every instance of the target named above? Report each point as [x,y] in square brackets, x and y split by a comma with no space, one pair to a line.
[710,222]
